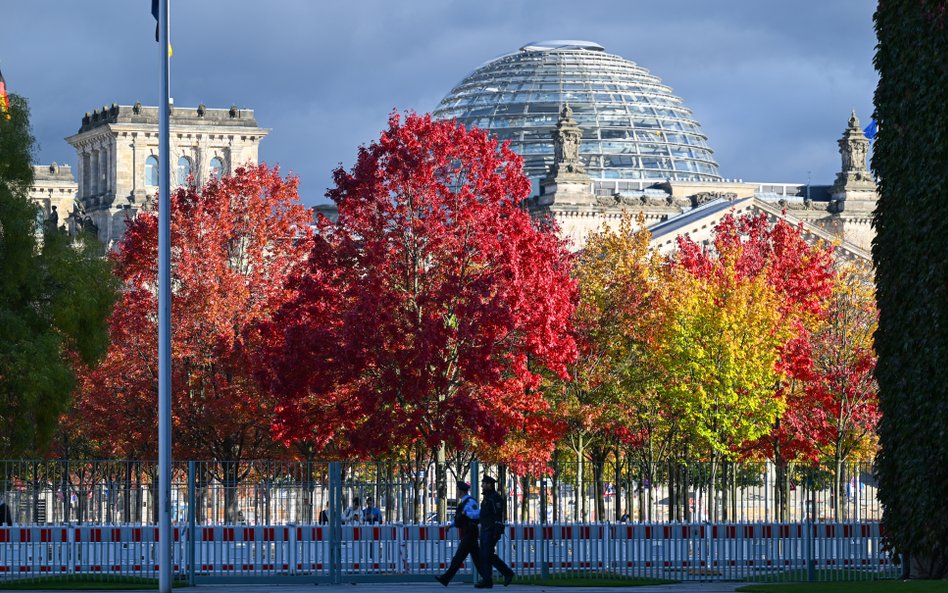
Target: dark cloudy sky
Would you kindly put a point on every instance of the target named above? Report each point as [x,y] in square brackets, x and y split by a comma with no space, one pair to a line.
[771,81]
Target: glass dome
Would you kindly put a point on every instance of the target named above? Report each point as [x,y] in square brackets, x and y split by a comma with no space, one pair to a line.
[633,126]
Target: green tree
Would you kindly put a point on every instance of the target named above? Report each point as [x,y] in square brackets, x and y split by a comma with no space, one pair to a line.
[55,294]
[911,220]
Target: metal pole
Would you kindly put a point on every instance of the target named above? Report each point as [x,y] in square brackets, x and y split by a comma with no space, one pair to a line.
[475,486]
[164,309]
[192,521]
[542,552]
[335,523]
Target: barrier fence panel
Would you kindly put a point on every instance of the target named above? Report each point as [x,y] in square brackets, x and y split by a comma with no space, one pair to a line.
[678,551]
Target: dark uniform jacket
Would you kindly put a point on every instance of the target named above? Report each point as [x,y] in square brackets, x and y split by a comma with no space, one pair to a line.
[492,513]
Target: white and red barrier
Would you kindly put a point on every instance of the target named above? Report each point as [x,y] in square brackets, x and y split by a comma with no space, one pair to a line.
[679,551]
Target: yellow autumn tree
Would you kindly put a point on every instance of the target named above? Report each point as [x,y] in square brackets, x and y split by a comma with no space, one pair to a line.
[719,346]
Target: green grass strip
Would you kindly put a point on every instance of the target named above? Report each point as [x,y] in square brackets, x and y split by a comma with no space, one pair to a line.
[590,581]
[890,586]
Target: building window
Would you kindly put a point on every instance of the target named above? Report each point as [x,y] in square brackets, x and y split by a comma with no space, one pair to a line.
[184,170]
[151,171]
[217,168]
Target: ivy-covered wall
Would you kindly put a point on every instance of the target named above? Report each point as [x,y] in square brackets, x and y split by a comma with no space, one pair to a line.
[911,256]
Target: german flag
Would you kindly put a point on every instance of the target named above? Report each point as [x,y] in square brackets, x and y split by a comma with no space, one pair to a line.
[154,12]
[4,99]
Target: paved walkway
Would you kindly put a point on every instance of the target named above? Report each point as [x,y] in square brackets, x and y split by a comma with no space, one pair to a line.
[713,587]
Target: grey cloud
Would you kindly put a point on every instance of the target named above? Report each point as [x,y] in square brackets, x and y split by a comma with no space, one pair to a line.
[771,82]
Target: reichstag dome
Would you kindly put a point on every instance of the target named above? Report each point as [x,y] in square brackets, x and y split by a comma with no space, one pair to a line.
[633,126]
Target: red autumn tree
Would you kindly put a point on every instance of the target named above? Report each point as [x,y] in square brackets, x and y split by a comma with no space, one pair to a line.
[843,392]
[429,305]
[234,242]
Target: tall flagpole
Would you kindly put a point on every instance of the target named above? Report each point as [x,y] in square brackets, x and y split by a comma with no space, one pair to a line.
[165,534]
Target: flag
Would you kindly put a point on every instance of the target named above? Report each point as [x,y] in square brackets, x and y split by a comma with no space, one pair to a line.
[4,99]
[872,129]
[154,13]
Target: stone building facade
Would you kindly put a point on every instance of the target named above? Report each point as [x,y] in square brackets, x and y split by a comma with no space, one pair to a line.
[117,149]
[54,193]
[840,213]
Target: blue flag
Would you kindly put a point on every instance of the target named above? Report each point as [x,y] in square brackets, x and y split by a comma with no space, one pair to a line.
[872,129]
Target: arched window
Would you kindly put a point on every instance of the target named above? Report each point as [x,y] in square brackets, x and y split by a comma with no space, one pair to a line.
[184,170]
[217,168]
[151,171]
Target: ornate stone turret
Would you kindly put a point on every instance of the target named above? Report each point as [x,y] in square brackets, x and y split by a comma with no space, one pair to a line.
[567,182]
[854,187]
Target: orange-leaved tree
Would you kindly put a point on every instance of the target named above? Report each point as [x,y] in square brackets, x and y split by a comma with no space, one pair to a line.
[234,242]
[609,401]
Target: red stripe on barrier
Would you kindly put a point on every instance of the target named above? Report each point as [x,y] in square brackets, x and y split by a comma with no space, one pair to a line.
[137,534]
[376,533]
[423,533]
[25,535]
[228,534]
[768,531]
[865,530]
[207,534]
[356,534]
[116,534]
[847,530]
[830,531]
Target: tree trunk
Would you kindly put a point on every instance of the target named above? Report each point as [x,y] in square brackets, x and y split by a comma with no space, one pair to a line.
[441,483]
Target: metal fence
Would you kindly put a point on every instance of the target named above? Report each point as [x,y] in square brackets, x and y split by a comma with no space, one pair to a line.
[279,493]
[809,551]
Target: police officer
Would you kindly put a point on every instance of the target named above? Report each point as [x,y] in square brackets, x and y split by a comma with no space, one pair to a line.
[491,515]
[467,533]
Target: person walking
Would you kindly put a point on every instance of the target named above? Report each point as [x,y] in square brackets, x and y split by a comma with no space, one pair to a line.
[491,516]
[467,535]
